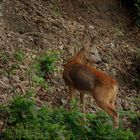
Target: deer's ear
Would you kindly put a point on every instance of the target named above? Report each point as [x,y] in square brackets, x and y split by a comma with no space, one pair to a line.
[92,31]
[86,41]
[89,37]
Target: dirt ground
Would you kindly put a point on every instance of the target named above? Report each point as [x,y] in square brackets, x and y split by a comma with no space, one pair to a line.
[37,26]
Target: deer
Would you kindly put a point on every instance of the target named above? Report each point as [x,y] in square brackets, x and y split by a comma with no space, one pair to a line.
[79,75]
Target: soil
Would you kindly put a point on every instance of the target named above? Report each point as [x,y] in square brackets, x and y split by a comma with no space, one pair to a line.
[37,26]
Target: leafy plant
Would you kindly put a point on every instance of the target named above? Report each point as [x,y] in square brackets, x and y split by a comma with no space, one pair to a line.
[11,62]
[131,115]
[137,76]
[27,121]
[137,5]
[134,6]
[19,55]
[40,81]
[119,32]
[4,57]
[43,65]
[46,63]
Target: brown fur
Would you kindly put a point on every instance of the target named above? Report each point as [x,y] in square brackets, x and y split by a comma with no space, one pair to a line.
[82,77]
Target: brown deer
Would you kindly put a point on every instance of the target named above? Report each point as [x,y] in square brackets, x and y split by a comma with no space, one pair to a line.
[79,75]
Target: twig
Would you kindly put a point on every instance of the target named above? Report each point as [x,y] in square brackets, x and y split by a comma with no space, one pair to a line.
[123,72]
[5,123]
[34,33]
[41,6]
[32,7]
[21,88]
[10,80]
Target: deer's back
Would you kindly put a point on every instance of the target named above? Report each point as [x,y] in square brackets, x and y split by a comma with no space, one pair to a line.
[85,77]
[80,77]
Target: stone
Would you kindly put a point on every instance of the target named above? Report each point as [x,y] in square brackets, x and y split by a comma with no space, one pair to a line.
[112,45]
[113,71]
[64,101]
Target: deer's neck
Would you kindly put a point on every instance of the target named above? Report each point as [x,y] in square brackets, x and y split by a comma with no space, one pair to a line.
[80,57]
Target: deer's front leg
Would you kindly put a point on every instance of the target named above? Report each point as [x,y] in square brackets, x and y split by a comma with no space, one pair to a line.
[71,92]
[82,98]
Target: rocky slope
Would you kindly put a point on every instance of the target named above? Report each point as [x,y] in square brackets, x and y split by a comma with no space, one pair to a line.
[34,27]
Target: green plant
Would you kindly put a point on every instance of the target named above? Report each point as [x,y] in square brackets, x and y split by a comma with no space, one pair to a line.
[137,4]
[131,115]
[27,121]
[137,76]
[136,100]
[46,63]
[43,65]
[11,62]
[40,81]
[119,32]
[134,6]
[4,56]
[19,55]
[55,8]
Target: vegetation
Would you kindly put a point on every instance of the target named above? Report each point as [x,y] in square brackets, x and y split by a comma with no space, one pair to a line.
[43,65]
[50,25]
[137,5]
[134,7]
[46,63]
[27,121]
[137,77]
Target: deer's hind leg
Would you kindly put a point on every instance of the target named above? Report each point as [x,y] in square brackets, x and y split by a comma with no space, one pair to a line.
[112,101]
[107,107]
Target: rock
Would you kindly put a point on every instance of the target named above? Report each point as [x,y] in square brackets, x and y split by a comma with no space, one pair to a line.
[113,71]
[93,111]
[111,45]
[106,59]
[126,105]
[58,89]
[107,66]
[71,50]
[53,81]
[4,82]
[119,103]
[61,47]
[1,124]
[64,102]
[1,14]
